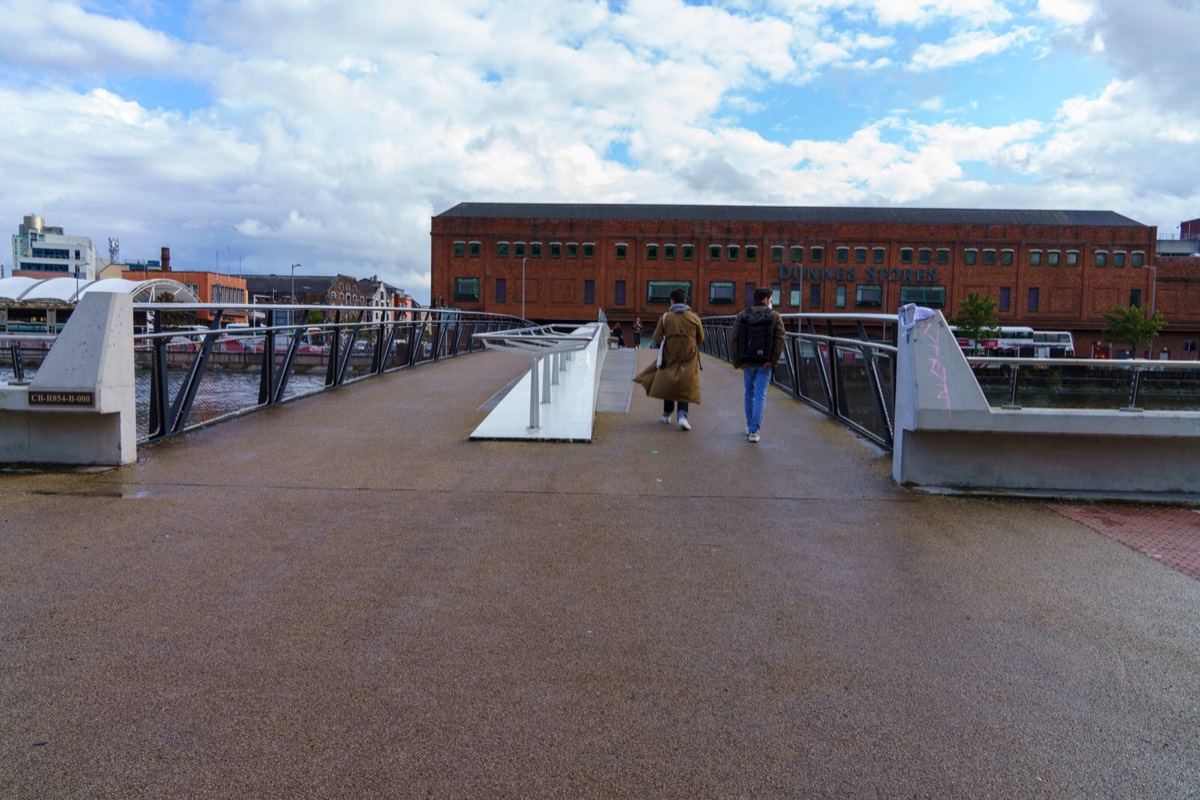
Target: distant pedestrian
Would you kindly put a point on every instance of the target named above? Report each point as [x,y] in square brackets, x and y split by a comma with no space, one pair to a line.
[758,339]
[637,331]
[618,334]
[675,377]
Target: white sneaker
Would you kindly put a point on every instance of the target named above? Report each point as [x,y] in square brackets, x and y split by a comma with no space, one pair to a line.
[666,418]
[753,437]
[684,425]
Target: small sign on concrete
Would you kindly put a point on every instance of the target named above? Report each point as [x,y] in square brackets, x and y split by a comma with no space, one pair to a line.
[62,399]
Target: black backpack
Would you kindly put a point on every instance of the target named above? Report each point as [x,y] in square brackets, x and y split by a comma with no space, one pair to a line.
[756,336]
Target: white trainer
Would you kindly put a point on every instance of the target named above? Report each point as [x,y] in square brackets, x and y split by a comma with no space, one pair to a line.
[684,425]
[753,437]
[666,418]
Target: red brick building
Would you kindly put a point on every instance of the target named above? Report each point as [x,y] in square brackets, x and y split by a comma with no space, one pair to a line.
[1050,270]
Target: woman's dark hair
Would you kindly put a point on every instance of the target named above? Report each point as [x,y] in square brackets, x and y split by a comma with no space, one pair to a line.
[678,295]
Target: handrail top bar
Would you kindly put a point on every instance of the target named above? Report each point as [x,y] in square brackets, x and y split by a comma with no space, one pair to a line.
[417,310]
[1122,363]
[872,343]
[806,315]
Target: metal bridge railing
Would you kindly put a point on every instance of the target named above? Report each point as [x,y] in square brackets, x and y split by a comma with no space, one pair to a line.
[190,373]
[1128,384]
[846,369]
[549,348]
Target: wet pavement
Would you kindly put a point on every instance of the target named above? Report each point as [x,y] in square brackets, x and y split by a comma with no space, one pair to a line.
[345,597]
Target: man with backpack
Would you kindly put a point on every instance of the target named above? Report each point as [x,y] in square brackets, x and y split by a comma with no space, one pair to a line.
[756,347]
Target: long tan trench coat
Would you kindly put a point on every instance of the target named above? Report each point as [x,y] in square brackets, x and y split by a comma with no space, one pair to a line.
[679,334]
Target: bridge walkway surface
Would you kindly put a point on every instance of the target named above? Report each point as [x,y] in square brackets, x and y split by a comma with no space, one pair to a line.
[345,597]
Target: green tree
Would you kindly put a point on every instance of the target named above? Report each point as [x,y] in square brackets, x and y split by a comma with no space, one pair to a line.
[976,318]
[1132,326]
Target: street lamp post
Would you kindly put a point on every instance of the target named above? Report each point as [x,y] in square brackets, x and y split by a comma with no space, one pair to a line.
[1153,291]
[292,313]
[523,260]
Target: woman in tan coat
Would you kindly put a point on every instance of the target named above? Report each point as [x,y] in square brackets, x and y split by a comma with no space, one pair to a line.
[676,380]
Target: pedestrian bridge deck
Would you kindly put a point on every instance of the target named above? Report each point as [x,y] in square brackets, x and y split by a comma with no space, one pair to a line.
[346,597]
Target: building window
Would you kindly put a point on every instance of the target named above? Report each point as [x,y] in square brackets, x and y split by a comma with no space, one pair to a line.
[519,249]
[752,252]
[589,292]
[868,295]
[460,249]
[502,249]
[943,255]
[714,252]
[814,295]
[572,250]
[970,256]
[501,291]
[860,255]
[722,293]
[905,255]
[1005,298]
[1119,258]
[475,249]
[669,252]
[733,252]
[535,250]
[797,254]
[589,249]
[1139,258]
[1053,257]
[466,290]
[749,298]
[619,293]
[1035,258]
[839,297]
[777,252]
[1072,258]
[1006,257]
[928,296]
[1101,258]
[622,252]
[659,292]
[556,249]
[776,294]
[843,255]
[1033,299]
[652,252]
[878,255]
[924,255]
[989,257]
[1135,298]
[687,252]
[794,296]
[816,254]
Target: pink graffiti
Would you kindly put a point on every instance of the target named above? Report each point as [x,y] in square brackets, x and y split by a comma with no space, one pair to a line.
[936,367]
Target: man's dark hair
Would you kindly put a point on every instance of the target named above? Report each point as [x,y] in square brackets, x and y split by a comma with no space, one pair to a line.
[760,296]
[678,295]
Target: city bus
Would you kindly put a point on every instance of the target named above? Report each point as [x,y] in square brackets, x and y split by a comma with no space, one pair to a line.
[1021,342]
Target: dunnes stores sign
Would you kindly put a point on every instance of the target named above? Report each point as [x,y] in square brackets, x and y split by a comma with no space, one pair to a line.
[796,272]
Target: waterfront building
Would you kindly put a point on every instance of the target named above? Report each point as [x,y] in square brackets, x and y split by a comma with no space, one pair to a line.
[1047,269]
[44,251]
[208,287]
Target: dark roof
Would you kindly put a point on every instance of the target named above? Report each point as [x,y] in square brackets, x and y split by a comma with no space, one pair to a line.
[814,214]
[282,284]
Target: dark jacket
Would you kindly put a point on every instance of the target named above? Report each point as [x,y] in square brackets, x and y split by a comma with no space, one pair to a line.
[777,331]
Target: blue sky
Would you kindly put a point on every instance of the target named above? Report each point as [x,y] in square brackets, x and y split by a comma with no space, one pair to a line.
[327,132]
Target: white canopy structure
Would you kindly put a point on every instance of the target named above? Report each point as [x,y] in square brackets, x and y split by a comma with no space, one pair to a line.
[67,291]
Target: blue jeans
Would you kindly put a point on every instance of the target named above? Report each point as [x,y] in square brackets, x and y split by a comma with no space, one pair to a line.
[757,379]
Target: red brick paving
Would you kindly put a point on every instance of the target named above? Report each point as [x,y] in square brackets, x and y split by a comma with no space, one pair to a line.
[1170,535]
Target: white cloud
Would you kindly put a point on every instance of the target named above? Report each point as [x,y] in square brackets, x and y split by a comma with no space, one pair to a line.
[1067,12]
[966,47]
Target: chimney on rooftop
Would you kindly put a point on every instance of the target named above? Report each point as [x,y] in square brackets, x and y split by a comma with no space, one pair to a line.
[166,259]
